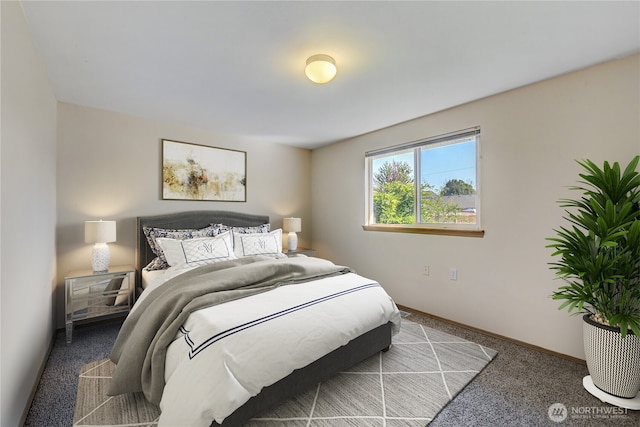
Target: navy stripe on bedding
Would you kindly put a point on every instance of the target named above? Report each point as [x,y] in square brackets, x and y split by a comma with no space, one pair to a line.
[196,349]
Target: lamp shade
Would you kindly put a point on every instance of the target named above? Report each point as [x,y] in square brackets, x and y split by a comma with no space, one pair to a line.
[320,68]
[292,225]
[99,231]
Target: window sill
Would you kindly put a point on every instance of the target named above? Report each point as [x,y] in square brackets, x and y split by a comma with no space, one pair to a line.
[424,230]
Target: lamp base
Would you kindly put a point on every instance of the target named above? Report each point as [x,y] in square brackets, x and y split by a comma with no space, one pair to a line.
[292,241]
[100,258]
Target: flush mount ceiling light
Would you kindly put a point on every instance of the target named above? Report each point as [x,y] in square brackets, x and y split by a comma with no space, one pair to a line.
[320,68]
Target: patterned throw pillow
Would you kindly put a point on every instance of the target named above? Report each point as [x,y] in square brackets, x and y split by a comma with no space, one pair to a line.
[153,233]
[264,228]
[251,244]
[199,251]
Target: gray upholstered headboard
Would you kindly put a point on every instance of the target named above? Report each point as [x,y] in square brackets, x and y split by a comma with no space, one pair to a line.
[188,220]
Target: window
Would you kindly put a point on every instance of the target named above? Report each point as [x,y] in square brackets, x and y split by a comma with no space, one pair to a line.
[428,184]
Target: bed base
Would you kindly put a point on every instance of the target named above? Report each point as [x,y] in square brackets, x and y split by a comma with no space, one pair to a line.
[303,379]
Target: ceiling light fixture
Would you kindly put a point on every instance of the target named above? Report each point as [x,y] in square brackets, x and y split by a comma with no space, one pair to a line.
[320,68]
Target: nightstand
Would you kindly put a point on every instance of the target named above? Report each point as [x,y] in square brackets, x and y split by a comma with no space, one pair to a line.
[299,251]
[90,295]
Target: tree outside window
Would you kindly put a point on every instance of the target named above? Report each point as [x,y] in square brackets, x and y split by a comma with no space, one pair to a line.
[446,189]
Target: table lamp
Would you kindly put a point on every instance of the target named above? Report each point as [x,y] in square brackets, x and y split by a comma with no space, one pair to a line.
[292,226]
[100,232]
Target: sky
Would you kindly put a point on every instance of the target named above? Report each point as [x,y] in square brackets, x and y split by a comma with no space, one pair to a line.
[440,164]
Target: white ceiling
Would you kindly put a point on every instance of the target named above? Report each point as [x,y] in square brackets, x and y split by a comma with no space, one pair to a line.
[237,67]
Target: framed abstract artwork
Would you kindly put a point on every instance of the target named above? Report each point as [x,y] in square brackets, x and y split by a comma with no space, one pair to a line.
[200,172]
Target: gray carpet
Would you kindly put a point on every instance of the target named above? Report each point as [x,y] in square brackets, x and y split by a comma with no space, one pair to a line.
[54,400]
[406,386]
[516,389]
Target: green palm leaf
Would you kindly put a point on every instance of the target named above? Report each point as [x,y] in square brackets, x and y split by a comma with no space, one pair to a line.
[598,254]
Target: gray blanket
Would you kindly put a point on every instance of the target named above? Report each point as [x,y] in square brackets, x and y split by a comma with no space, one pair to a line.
[140,348]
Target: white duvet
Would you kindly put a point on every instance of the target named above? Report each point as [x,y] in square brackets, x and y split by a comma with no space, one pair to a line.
[225,354]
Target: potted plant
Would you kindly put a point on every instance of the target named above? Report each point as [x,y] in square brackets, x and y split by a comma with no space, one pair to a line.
[599,262]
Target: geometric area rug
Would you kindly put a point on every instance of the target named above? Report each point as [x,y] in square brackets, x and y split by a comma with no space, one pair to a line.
[405,386]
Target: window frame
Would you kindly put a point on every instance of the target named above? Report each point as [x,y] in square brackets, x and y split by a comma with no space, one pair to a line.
[467,230]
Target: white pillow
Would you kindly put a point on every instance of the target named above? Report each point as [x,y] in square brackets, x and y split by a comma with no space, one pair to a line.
[198,251]
[250,244]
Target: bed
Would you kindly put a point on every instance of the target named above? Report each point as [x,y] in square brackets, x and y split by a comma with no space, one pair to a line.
[367,338]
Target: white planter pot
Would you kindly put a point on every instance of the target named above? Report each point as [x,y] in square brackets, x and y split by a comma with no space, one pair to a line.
[613,362]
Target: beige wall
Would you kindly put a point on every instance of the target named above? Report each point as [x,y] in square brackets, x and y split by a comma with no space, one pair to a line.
[109,167]
[28,216]
[529,140]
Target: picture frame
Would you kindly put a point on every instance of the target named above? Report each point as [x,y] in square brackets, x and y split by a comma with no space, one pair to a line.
[201,172]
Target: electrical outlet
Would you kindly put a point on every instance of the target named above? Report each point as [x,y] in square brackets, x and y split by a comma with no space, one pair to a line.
[453,274]
[425,270]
